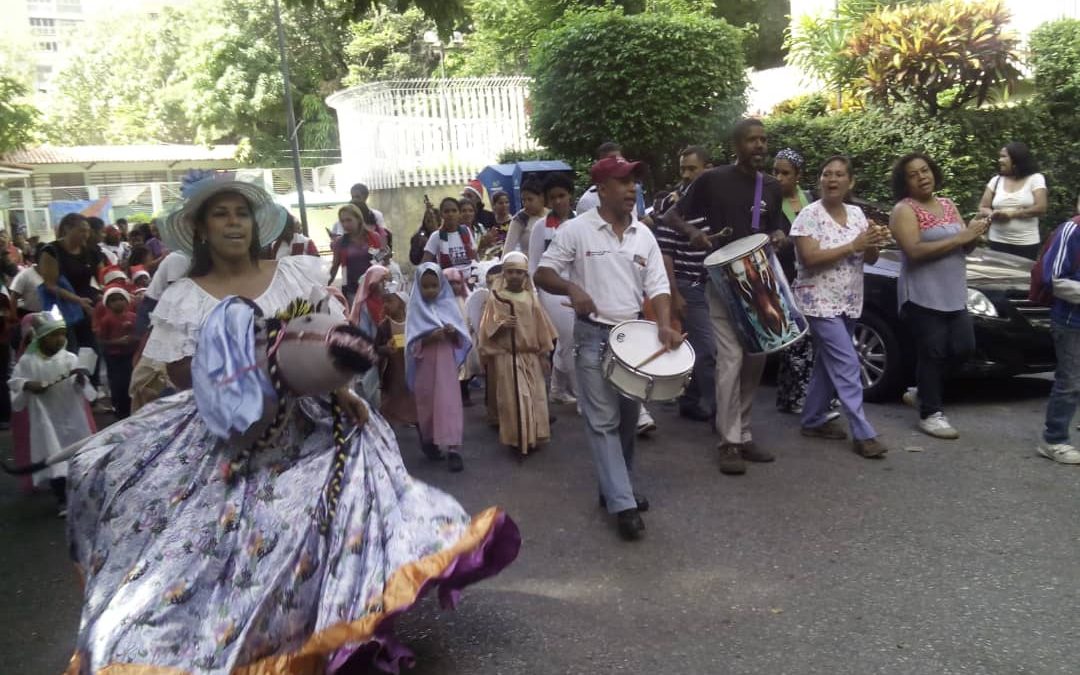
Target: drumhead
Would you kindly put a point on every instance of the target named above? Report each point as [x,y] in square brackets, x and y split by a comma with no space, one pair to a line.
[736,249]
[634,341]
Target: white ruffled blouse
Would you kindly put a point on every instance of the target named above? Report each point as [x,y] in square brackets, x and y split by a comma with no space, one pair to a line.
[184,305]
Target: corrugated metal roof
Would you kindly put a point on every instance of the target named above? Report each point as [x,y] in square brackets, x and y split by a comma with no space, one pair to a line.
[89,154]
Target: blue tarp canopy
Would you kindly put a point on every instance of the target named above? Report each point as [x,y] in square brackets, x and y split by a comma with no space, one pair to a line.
[509,177]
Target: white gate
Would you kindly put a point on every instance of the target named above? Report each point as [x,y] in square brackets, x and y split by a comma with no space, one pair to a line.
[429,132]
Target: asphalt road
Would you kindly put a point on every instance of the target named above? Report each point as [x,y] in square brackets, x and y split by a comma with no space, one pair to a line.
[946,557]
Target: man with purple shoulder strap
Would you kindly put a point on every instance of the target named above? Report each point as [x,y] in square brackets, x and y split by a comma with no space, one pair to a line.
[735,200]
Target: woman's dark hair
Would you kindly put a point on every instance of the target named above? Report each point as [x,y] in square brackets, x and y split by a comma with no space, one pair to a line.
[452,200]
[68,222]
[899,173]
[463,202]
[201,263]
[843,159]
[558,180]
[1023,161]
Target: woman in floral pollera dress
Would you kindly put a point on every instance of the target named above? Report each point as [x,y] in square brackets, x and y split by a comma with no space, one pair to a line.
[190,568]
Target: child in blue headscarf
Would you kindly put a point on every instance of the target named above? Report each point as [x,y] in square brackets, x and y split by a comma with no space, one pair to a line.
[436,344]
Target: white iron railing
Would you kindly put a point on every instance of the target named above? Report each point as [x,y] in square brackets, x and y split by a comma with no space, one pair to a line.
[429,132]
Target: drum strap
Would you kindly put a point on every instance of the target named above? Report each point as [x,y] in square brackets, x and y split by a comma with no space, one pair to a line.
[755,223]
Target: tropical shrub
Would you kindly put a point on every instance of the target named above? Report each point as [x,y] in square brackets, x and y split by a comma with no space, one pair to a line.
[953,49]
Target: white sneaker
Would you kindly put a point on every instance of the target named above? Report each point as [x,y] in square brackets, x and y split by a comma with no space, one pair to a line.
[560,397]
[1062,453]
[645,422]
[911,397]
[937,425]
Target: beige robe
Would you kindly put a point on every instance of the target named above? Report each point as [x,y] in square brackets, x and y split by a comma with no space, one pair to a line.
[535,339]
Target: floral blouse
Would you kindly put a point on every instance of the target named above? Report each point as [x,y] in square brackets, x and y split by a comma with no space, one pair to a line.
[838,289]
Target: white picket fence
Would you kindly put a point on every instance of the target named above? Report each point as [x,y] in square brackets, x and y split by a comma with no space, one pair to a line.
[429,132]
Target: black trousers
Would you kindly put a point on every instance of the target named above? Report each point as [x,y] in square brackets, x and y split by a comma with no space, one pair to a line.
[1029,251]
[119,369]
[943,340]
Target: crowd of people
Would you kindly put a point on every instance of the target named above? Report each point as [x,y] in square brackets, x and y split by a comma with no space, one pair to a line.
[228,464]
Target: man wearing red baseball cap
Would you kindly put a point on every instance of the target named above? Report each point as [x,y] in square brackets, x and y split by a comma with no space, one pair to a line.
[605,260]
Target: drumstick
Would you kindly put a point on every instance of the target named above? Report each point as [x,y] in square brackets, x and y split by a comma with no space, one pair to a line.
[598,317]
[655,355]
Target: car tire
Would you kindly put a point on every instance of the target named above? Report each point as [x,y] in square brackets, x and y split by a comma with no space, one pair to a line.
[880,360]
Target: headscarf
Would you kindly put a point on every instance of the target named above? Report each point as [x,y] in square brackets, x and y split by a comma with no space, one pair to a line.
[373,303]
[422,318]
[792,156]
[42,324]
[454,274]
[515,260]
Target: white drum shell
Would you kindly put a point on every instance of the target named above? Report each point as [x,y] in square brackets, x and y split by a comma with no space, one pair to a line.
[641,384]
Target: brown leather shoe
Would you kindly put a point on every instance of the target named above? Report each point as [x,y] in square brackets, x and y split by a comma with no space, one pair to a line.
[752,453]
[831,430]
[870,449]
[731,461]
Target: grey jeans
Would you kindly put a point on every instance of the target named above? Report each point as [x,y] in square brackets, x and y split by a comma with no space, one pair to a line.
[610,418]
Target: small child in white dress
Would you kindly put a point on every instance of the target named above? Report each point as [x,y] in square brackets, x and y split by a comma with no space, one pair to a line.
[48,383]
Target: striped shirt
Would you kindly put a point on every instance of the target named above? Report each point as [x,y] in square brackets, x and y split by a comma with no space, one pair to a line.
[687,261]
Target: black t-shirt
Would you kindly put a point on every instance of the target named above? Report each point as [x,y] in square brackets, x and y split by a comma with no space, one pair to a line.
[724,196]
[79,269]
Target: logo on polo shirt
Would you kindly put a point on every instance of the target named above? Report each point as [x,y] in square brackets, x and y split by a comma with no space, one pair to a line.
[590,254]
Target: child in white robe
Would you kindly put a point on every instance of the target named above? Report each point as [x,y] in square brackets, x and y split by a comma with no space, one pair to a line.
[49,384]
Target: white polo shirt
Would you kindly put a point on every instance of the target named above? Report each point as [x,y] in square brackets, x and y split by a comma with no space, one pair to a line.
[615,274]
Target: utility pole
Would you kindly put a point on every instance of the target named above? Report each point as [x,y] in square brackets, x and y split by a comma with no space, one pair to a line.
[290,120]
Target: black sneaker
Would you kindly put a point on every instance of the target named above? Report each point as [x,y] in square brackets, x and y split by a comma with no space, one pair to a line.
[432,451]
[731,462]
[630,524]
[454,462]
[642,503]
[752,453]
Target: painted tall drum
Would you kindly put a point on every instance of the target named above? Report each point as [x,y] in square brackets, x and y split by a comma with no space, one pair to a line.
[748,277]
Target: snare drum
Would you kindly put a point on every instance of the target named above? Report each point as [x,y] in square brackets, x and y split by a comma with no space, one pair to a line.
[755,291]
[630,344]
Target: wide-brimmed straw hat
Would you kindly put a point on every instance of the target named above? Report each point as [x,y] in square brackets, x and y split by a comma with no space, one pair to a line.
[179,230]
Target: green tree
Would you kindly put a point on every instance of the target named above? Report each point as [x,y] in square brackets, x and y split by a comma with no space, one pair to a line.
[651,100]
[18,118]
[232,71]
[766,19]
[387,45]
[1055,59]
[129,95]
[926,53]
[445,13]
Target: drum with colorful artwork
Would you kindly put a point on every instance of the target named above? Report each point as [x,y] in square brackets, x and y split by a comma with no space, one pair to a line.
[748,277]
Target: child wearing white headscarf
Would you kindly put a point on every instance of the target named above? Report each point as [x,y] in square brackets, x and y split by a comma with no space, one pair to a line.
[436,344]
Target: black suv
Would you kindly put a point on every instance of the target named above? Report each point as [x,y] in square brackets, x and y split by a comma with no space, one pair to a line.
[1012,336]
